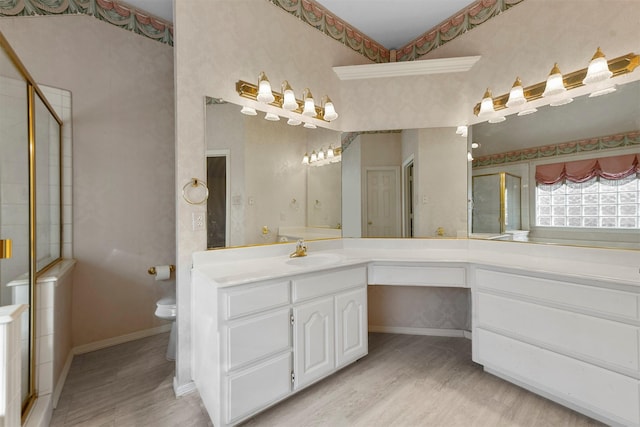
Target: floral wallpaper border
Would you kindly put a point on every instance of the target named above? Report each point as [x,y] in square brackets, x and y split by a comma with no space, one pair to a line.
[111,11]
[630,139]
[314,14]
[347,137]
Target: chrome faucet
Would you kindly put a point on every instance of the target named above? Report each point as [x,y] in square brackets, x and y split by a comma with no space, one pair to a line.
[301,250]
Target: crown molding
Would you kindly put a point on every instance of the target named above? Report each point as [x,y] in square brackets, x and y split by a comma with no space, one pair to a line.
[408,68]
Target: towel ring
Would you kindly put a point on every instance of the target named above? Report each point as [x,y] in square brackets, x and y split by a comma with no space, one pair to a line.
[195,183]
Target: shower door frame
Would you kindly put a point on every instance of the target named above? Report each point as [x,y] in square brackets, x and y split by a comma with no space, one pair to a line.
[32,91]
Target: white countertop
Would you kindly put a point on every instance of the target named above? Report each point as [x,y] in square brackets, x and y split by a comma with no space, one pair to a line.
[234,266]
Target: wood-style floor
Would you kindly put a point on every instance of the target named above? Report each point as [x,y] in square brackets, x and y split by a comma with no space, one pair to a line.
[405,380]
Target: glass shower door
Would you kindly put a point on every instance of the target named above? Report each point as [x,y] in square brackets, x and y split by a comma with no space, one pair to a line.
[15,280]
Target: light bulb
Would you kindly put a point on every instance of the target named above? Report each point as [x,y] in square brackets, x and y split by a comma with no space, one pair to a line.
[248,111]
[598,70]
[516,95]
[305,159]
[555,84]
[264,89]
[314,156]
[309,104]
[289,102]
[486,106]
[329,110]
[321,155]
[330,153]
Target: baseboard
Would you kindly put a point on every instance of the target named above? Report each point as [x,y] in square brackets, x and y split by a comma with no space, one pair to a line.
[183,389]
[98,345]
[61,379]
[459,333]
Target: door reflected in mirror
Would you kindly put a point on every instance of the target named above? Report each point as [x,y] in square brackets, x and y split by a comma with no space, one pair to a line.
[266,194]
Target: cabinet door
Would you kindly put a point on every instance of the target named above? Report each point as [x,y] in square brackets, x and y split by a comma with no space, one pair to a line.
[351,326]
[313,341]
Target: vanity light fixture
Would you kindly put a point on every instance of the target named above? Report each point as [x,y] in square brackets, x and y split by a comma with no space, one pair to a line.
[309,104]
[248,111]
[322,157]
[516,95]
[264,89]
[329,113]
[486,106]
[289,102]
[286,100]
[271,117]
[599,75]
[598,69]
[556,86]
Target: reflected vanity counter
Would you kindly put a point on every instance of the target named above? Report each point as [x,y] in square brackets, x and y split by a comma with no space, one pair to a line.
[560,321]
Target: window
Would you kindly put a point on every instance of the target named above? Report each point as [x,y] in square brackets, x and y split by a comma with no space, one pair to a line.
[595,203]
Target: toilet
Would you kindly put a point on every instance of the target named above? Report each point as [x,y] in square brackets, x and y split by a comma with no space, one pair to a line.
[166,310]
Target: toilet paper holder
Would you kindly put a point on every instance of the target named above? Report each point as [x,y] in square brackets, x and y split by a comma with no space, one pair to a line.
[152,270]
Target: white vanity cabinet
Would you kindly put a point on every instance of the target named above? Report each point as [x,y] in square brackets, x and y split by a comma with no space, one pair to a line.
[574,341]
[270,338]
[329,331]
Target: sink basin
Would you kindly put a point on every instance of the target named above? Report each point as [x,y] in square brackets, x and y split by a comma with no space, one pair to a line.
[316,259]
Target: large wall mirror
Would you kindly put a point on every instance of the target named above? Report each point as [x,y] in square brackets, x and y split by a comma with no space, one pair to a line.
[593,212]
[260,191]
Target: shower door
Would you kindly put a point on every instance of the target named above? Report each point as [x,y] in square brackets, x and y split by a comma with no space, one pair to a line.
[15,270]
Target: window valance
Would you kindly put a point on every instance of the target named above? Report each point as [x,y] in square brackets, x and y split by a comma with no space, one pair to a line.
[616,167]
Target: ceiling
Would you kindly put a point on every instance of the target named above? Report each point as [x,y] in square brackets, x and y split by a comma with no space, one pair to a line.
[392,23]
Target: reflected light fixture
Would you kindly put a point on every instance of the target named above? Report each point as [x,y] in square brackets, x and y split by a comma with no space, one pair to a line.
[271,117]
[469,156]
[330,152]
[314,157]
[248,111]
[310,126]
[329,110]
[321,155]
[264,89]
[309,104]
[289,102]
[475,145]
[462,131]
[305,159]
[516,95]
[294,122]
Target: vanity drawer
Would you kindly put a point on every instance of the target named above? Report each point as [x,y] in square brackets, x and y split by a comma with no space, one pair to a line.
[605,301]
[248,340]
[406,275]
[255,388]
[328,283]
[591,388]
[253,299]
[613,345]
